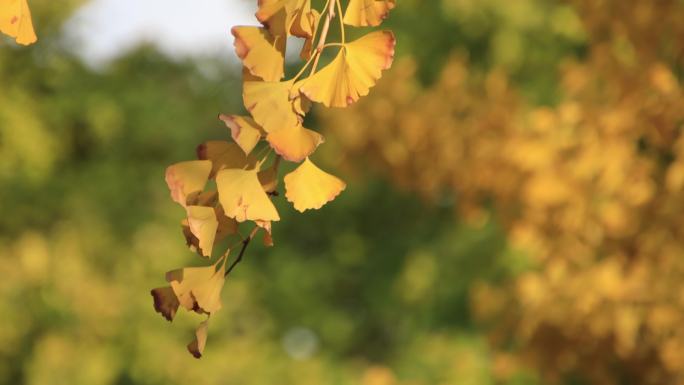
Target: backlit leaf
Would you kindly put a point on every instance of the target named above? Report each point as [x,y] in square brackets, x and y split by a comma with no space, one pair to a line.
[296,143]
[364,13]
[244,131]
[261,53]
[186,178]
[270,104]
[353,72]
[198,288]
[15,21]
[309,187]
[196,347]
[243,197]
[203,225]
[223,155]
[165,302]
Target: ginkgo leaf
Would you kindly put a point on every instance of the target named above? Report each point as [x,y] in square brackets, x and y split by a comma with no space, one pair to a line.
[186,178]
[223,155]
[165,302]
[261,53]
[309,187]
[196,347]
[268,235]
[288,10]
[198,288]
[226,227]
[203,225]
[15,21]
[296,143]
[270,104]
[244,131]
[242,196]
[365,13]
[353,72]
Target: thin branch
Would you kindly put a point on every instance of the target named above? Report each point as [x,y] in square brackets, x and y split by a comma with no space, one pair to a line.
[245,243]
[324,33]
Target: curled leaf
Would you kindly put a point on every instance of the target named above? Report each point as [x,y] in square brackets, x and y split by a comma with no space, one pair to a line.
[196,346]
[244,131]
[365,13]
[295,143]
[261,53]
[15,21]
[309,187]
[186,178]
[270,104]
[203,225]
[198,288]
[353,72]
[223,155]
[243,197]
[165,302]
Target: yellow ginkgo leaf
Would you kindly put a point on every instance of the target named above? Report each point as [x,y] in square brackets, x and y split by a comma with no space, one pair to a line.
[196,347]
[296,143]
[223,155]
[243,197]
[365,13]
[186,178]
[165,302]
[203,225]
[226,226]
[309,187]
[353,72]
[244,130]
[270,104]
[198,288]
[15,21]
[287,9]
[261,53]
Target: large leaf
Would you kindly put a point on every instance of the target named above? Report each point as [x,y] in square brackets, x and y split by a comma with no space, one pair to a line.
[270,104]
[243,197]
[261,53]
[186,178]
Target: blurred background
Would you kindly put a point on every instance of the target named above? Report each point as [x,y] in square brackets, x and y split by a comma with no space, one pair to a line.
[513,215]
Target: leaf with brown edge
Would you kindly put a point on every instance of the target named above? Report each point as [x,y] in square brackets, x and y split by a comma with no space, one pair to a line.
[196,346]
[165,302]
[244,131]
[243,197]
[353,72]
[309,187]
[15,21]
[226,227]
[367,13]
[203,225]
[268,235]
[296,143]
[224,155]
[269,104]
[186,178]
[261,53]
[288,10]
[198,288]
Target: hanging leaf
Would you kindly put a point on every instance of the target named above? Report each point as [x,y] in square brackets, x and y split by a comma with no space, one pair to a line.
[353,72]
[288,10]
[365,13]
[198,288]
[270,104]
[203,225]
[165,302]
[15,21]
[261,53]
[242,196]
[196,347]
[296,143]
[224,155]
[244,131]
[186,178]
[309,187]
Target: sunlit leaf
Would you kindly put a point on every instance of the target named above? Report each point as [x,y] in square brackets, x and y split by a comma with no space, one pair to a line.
[196,347]
[15,21]
[261,53]
[268,177]
[244,131]
[296,143]
[243,197]
[270,104]
[364,13]
[223,155]
[186,178]
[309,187]
[353,72]
[203,225]
[198,288]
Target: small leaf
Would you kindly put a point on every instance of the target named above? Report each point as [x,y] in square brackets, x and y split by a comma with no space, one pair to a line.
[367,13]
[165,302]
[223,155]
[186,178]
[244,131]
[270,104]
[243,197]
[353,72]
[196,347]
[198,288]
[261,53]
[15,21]
[309,187]
[296,143]
[203,225]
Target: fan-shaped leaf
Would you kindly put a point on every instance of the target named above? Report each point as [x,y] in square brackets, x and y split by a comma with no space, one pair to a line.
[186,178]
[15,21]
[296,143]
[261,53]
[244,130]
[309,187]
[364,13]
[243,197]
[224,155]
[203,225]
[270,104]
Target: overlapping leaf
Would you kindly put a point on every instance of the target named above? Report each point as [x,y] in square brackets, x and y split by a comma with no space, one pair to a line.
[295,143]
[198,288]
[364,13]
[244,131]
[223,155]
[270,104]
[186,178]
[261,53]
[309,187]
[15,21]
[243,197]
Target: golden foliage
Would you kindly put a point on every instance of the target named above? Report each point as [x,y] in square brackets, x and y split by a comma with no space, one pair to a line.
[15,21]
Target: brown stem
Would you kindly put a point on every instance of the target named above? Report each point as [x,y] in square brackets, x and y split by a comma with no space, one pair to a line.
[324,33]
[245,243]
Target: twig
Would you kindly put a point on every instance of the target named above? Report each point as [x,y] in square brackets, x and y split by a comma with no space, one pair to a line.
[324,33]
[245,243]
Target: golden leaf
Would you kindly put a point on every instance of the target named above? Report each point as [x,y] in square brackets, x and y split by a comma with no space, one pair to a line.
[261,53]
[226,227]
[15,21]
[198,288]
[165,302]
[367,13]
[244,131]
[296,143]
[224,155]
[196,347]
[353,72]
[287,10]
[270,104]
[243,197]
[203,225]
[309,187]
[186,178]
